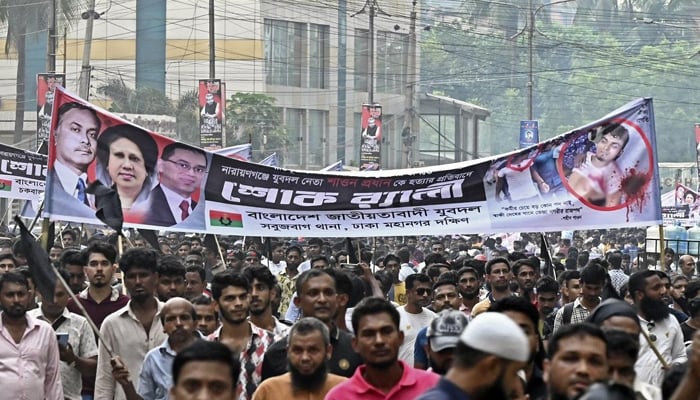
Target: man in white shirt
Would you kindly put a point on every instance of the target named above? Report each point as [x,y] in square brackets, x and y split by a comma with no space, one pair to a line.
[659,328]
[414,315]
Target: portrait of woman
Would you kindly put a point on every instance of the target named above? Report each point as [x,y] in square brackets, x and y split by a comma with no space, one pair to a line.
[126,160]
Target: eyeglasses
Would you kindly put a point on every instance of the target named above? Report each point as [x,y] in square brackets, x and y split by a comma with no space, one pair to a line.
[422,291]
[650,327]
[185,167]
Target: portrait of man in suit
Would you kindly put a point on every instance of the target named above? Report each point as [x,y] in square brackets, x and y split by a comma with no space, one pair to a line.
[75,140]
[181,170]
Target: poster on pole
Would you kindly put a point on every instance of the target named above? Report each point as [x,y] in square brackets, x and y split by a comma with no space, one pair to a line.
[603,174]
[45,93]
[211,114]
[371,138]
[529,133]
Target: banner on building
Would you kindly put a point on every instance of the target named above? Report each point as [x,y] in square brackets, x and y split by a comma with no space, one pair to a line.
[371,138]
[529,133]
[45,90]
[211,113]
[581,178]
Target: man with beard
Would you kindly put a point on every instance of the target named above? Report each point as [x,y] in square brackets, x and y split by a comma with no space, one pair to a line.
[526,272]
[135,329]
[231,293]
[79,353]
[397,293]
[523,313]
[577,359]
[29,352]
[171,273]
[155,378]
[490,351]
[445,297]
[442,338]
[547,297]
[100,299]
[308,350]
[414,315]
[261,296]
[318,298]
[383,376]
[593,277]
[497,275]
[469,287]
[659,329]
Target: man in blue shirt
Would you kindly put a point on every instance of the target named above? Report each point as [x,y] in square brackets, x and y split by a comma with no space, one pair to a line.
[155,379]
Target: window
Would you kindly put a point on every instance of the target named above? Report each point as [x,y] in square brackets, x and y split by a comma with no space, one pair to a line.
[284,48]
[319,50]
[392,62]
[317,130]
[361,64]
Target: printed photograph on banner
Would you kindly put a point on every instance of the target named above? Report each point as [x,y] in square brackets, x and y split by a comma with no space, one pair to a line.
[609,166]
[687,200]
[601,174]
[158,180]
[211,114]
[371,137]
[45,93]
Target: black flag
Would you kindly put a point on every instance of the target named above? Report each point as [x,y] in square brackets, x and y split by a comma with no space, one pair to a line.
[352,251]
[110,206]
[151,237]
[544,254]
[39,263]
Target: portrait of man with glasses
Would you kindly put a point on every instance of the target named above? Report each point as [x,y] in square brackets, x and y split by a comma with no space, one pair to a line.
[181,170]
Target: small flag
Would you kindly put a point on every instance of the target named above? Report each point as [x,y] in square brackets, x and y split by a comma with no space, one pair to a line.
[109,205]
[38,261]
[150,236]
[6,185]
[544,255]
[224,218]
[352,251]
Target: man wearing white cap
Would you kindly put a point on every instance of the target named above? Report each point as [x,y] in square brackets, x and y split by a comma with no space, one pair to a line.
[490,351]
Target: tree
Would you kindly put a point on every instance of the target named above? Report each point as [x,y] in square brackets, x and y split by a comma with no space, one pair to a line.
[21,18]
[252,116]
[140,101]
[187,117]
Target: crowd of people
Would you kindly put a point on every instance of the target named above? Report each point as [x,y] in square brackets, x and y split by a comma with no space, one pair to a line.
[456,317]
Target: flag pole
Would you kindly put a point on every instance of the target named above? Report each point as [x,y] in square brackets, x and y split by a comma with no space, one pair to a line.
[37,216]
[662,246]
[7,211]
[218,247]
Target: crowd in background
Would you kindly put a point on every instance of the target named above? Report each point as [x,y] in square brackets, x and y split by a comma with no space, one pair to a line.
[507,316]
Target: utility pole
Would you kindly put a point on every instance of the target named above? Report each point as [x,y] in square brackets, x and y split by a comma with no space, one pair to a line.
[530,79]
[410,131]
[90,16]
[373,9]
[51,59]
[212,47]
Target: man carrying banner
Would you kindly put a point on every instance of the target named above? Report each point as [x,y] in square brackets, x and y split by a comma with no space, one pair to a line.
[75,139]
[182,170]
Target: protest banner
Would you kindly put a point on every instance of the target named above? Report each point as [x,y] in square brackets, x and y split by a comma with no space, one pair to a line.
[371,139]
[22,174]
[603,174]
[45,86]
[211,115]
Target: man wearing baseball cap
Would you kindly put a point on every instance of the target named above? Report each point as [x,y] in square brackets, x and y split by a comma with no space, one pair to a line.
[443,336]
[490,351]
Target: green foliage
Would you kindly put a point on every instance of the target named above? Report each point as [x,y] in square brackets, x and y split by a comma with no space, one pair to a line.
[139,101]
[580,73]
[249,116]
[187,117]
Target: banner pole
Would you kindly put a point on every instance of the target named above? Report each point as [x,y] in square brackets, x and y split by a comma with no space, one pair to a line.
[662,246]
[218,248]
[37,216]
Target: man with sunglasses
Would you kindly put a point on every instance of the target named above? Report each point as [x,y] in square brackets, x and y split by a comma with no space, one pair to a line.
[659,329]
[181,170]
[414,315]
